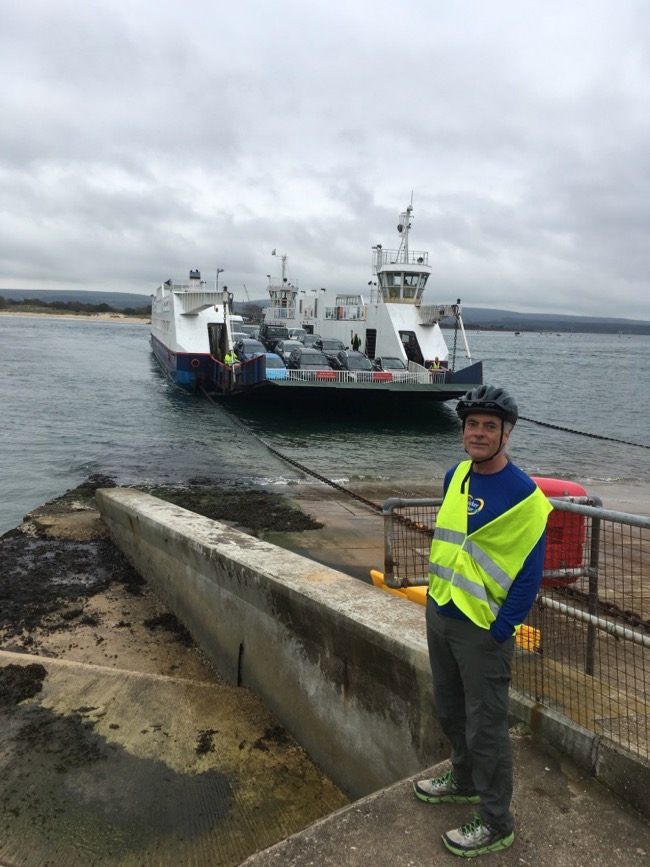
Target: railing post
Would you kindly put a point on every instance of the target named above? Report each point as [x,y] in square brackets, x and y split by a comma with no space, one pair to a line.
[592,604]
[389,564]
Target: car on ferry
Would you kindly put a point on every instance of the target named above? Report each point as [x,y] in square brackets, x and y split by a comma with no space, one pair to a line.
[304,358]
[247,348]
[309,340]
[357,364]
[330,346]
[389,363]
[284,348]
[275,366]
[270,334]
[250,330]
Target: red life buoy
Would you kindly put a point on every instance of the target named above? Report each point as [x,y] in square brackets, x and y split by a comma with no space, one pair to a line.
[565,532]
[195,363]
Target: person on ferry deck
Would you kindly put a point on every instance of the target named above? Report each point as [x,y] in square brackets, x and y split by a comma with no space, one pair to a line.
[485,569]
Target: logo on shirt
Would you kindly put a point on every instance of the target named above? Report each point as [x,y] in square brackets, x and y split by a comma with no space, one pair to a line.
[474,505]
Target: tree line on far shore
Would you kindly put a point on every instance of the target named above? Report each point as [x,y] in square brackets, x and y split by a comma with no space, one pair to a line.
[35,305]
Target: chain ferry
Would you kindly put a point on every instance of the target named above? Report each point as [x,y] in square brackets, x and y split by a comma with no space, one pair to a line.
[192,327]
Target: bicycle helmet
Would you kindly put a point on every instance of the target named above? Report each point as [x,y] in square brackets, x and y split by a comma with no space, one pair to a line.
[490,399]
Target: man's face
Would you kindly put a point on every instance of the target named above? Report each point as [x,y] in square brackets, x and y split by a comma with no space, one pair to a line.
[482,435]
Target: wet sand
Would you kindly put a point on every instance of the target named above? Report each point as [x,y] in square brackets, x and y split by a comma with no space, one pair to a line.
[621,498]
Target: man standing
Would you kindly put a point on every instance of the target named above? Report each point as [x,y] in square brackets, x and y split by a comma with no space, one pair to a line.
[356,342]
[485,569]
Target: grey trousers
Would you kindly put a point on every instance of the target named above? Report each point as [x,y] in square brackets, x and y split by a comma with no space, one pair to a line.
[471,679]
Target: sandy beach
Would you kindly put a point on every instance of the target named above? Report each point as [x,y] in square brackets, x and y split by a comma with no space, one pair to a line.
[107,317]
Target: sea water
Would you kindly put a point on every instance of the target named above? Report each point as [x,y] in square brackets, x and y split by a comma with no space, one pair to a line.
[79,397]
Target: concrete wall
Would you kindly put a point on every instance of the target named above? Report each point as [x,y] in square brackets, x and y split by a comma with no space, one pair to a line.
[343,666]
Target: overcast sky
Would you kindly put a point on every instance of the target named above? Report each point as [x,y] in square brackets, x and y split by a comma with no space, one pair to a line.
[142,138]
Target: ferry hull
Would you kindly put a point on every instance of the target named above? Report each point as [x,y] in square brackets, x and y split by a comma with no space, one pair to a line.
[185,369]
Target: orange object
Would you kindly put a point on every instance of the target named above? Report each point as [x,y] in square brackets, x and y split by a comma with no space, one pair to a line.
[565,532]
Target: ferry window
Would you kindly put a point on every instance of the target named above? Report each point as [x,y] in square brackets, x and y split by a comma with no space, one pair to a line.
[410,284]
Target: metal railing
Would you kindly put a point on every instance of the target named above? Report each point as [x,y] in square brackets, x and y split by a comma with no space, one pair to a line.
[369,376]
[352,313]
[254,371]
[280,313]
[585,648]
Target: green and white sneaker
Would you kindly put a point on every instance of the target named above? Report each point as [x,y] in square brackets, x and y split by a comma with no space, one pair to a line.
[476,838]
[444,790]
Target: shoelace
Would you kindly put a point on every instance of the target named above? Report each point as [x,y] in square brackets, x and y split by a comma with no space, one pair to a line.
[473,826]
[444,780]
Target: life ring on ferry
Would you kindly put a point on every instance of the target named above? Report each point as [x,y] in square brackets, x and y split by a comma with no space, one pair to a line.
[565,535]
[195,363]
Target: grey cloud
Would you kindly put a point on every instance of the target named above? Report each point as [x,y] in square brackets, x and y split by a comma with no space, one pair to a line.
[142,139]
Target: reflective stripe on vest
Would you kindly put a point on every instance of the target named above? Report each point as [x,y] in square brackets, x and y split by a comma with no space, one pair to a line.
[461,570]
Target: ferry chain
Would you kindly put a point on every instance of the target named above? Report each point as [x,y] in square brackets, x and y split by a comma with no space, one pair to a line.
[375,506]
[583,433]
[611,608]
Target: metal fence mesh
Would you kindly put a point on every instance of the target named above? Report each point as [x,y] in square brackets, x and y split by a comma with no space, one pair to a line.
[585,648]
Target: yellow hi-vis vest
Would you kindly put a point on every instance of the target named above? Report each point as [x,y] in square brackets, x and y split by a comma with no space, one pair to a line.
[476,571]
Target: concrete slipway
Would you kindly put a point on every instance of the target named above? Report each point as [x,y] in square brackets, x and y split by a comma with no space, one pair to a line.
[343,666]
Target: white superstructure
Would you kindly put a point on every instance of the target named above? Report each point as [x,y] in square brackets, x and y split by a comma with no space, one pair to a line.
[392,323]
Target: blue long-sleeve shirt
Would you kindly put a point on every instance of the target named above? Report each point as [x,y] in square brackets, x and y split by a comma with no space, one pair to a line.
[490,495]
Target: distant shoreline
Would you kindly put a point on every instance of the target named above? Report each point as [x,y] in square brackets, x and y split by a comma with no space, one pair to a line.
[104,317]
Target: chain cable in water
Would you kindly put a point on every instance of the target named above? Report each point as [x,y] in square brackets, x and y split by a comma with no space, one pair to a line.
[583,433]
[375,506]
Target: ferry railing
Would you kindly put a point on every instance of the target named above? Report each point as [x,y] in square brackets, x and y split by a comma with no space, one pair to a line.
[250,372]
[281,313]
[584,650]
[354,313]
[399,257]
[427,375]
[228,378]
[254,371]
[370,377]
